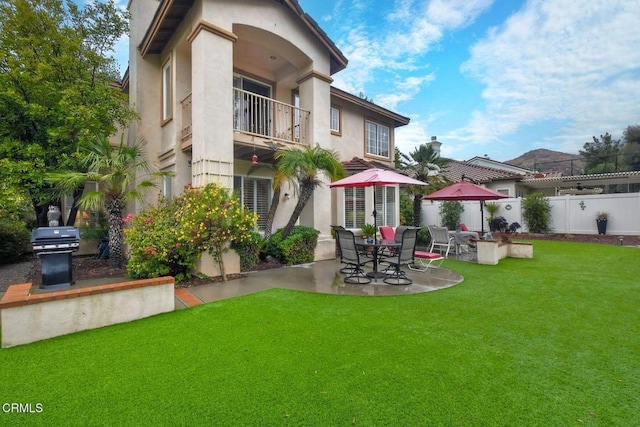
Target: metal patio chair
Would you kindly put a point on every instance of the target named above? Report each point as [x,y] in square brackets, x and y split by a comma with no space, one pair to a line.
[349,255]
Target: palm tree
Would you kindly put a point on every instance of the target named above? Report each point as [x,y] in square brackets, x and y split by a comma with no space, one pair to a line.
[423,164]
[122,174]
[305,165]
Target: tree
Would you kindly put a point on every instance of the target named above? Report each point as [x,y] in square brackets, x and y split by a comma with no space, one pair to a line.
[305,165]
[56,87]
[631,148]
[601,155]
[423,164]
[122,174]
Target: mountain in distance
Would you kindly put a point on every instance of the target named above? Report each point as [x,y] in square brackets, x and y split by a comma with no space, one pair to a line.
[543,160]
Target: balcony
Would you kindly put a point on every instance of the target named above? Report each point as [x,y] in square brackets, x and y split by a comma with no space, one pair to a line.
[257,116]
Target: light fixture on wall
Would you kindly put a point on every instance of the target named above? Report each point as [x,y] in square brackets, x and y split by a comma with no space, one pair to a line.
[287,196]
[254,158]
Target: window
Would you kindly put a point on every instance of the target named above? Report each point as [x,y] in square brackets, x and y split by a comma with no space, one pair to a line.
[377,139]
[504,191]
[167,193]
[255,195]
[335,120]
[386,206]
[354,207]
[167,98]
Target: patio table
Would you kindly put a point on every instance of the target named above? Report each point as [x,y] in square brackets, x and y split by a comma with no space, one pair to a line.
[463,238]
[375,274]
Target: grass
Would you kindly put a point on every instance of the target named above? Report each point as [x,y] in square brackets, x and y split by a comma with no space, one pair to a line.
[549,341]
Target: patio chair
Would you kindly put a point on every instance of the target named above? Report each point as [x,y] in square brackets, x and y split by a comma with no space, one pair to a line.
[347,268]
[349,255]
[387,233]
[440,238]
[425,260]
[404,257]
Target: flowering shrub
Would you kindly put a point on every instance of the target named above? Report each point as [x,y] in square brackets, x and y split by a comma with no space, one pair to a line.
[170,238]
[249,250]
[211,217]
[155,247]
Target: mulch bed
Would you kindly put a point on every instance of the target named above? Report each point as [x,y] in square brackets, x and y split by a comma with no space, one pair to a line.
[607,239]
[89,267]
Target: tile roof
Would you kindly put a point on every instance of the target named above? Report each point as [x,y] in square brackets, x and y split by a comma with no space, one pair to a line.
[357,164]
[454,170]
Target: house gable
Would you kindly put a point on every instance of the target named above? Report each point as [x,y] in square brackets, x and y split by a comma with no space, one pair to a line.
[170,14]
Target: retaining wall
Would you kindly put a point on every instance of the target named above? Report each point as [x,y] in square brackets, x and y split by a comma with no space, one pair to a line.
[28,317]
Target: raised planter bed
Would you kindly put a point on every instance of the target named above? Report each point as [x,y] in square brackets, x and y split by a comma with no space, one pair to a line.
[28,317]
[492,251]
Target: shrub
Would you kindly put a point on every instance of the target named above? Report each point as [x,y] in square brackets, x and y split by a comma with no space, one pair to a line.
[157,247]
[406,209]
[423,238]
[536,213]
[14,239]
[170,238]
[498,223]
[450,213]
[249,250]
[297,248]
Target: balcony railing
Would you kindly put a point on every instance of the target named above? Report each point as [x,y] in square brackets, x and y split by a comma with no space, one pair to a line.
[185,124]
[260,116]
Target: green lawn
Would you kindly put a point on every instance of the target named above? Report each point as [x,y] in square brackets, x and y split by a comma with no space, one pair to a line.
[550,341]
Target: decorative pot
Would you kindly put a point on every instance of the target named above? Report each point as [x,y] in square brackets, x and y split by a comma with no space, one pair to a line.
[602,226]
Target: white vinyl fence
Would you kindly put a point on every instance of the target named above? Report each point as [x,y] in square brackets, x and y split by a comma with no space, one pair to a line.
[570,214]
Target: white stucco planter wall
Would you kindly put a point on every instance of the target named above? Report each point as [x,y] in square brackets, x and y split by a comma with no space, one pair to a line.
[30,317]
[490,252]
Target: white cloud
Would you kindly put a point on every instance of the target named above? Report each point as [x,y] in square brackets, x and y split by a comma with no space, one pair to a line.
[405,90]
[411,28]
[561,60]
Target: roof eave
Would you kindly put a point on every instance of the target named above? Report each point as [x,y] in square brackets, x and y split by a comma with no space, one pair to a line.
[397,118]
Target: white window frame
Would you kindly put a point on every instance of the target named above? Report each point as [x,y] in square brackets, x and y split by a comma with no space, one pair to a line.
[354,207]
[335,120]
[377,139]
[167,91]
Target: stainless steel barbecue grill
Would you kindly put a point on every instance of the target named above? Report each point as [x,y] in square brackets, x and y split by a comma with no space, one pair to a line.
[54,246]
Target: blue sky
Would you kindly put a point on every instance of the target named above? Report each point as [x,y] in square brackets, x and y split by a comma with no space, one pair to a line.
[494,77]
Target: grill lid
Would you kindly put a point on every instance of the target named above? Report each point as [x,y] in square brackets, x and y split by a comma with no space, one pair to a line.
[55,235]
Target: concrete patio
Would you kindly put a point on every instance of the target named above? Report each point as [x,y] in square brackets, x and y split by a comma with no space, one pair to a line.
[320,277]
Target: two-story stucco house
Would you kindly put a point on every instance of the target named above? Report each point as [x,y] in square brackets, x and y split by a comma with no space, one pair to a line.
[221,84]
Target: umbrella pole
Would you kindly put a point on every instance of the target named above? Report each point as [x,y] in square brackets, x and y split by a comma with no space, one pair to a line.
[375,213]
[481,218]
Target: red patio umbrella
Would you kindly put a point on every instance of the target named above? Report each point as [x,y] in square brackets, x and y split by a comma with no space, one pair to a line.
[375,177]
[465,190]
